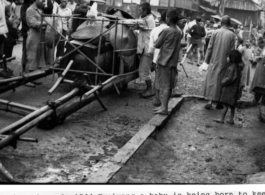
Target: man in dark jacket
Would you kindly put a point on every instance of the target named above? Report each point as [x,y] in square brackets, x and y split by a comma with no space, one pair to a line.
[197,32]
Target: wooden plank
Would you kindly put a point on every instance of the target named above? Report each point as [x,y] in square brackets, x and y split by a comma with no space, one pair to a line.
[109,169]
[124,154]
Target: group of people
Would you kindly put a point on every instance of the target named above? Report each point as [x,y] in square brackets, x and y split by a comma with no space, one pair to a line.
[229,58]
[159,47]
[33,29]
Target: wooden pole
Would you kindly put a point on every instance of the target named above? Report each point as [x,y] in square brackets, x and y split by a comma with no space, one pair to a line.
[64,111]
[99,48]
[82,72]
[184,58]
[59,80]
[8,59]
[17,105]
[99,86]
[77,48]
[114,50]
[7,174]
[15,135]
[40,111]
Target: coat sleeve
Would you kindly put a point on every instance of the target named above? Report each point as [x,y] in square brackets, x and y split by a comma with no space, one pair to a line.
[229,77]
[32,20]
[159,42]
[141,22]
[210,49]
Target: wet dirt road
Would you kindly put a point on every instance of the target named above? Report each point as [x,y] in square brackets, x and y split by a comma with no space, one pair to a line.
[191,148]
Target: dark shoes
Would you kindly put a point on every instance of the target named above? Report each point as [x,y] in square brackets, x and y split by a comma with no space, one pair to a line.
[219,106]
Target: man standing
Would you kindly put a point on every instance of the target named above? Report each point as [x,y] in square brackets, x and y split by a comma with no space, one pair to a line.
[155,52]
[197,32]
[169,44]
[144,24]
[33,17]
[3,26]
[24,31]
[221,43]
[71,5]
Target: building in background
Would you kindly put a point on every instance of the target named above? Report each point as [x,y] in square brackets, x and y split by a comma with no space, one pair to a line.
[185,7]
[246,11]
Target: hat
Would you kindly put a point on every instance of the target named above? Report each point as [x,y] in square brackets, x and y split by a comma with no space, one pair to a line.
[181,17]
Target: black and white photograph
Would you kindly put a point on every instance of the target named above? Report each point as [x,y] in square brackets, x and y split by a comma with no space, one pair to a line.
[132,92]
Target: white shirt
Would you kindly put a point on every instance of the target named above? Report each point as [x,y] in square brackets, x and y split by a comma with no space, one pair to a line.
[55,8]
[188,27]
[93,10]
[3,26]
[153,37]
[71,6]
[66,21]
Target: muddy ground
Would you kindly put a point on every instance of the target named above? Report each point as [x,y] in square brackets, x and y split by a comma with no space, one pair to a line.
[191,148]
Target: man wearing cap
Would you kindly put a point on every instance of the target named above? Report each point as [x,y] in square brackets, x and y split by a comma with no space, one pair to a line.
[221,43]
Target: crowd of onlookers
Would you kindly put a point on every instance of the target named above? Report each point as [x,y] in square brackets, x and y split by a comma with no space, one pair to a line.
[213,41]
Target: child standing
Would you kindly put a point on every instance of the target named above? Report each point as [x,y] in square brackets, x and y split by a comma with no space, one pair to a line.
[246,52]
[230,86]
[169,44]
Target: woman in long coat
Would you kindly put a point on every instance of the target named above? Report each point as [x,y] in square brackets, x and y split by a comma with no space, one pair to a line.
[221,43]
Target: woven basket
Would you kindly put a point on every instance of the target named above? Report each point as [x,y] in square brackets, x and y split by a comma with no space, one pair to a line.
[261,114]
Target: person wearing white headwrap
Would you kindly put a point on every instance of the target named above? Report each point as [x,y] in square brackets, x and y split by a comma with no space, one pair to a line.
[92,14]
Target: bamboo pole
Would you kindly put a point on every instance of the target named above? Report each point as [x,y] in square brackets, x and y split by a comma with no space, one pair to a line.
[8,59]
[7,174]
[82,72]
[59,80]
[64,111]
[17,105]
[115,38]
[40,111]
[77,48]
[99,48]
[25,77]
[74,17]
[99,86]
[15,135]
